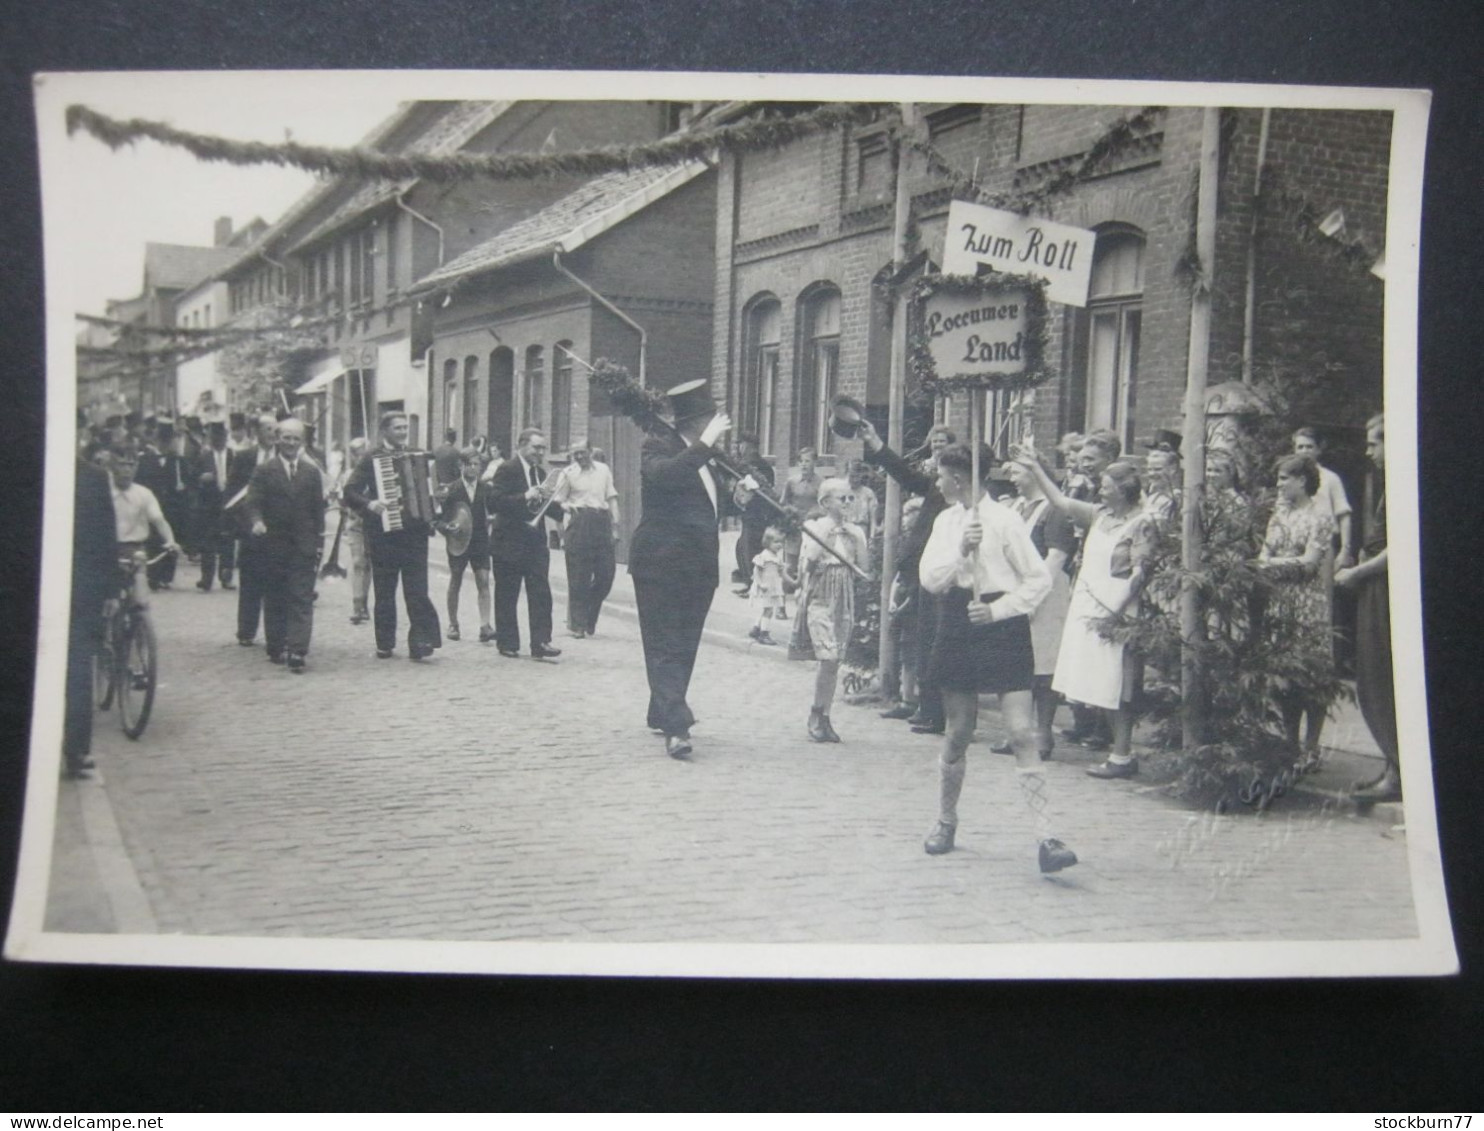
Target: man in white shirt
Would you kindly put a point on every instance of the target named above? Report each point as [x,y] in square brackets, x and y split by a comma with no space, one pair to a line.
[136,512]
[587,493]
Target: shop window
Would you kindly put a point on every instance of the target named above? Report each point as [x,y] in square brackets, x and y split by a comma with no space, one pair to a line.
[759,386]
[534,387]
[1106,347]
[819,365]
[561,397]
[471,398]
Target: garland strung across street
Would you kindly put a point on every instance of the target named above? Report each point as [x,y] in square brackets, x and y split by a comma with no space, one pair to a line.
[763,132]
[1121,135]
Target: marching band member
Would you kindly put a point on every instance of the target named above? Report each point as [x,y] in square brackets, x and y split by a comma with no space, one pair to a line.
[396,555]
[519,549]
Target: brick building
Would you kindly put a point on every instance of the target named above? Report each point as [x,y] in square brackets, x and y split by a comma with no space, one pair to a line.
[804,238]
[619,268]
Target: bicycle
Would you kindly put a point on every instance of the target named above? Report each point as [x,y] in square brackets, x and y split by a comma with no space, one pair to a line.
[125,666]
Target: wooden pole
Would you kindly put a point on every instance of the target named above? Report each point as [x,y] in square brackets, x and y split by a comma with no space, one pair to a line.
[1192,619]
[896,396]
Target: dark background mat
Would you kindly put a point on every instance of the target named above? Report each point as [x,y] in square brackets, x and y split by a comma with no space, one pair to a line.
[147,1040]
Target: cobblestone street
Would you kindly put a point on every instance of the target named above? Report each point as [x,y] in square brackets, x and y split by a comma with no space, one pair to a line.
[479,797]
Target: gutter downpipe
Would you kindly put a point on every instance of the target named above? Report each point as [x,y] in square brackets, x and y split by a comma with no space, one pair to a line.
[416,215]
[556,261]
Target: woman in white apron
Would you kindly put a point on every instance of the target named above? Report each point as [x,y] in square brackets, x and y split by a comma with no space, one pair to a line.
[1116,548]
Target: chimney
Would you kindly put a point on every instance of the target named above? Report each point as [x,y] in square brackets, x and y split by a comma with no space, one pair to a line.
[223,233]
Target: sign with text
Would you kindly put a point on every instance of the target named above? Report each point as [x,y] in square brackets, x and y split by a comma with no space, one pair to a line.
[359,356]
[1021,245]
[980,336]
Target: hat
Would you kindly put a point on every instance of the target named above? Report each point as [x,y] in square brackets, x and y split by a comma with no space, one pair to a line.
[690,400]
[846,415]
[216,428]
[132,419]
[237,421]
[1164,440]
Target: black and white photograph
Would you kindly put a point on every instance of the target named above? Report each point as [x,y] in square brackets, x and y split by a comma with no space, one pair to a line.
[731,525]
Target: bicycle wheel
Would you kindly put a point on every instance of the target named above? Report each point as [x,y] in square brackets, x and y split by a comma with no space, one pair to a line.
[136,681]
[105,674]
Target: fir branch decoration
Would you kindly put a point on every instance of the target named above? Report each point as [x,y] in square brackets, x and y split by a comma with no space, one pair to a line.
[762,132]
[919,351]
[644,407]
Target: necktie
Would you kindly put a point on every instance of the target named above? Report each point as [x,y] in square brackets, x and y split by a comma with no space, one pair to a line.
[293,466]
[535,479]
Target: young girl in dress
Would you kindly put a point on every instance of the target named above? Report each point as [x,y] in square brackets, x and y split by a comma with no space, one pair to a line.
[826,615]
[768,601]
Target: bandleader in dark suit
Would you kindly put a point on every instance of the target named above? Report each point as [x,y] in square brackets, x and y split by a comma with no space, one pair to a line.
[519,551]
[216,537]
[286,515]
[673,558]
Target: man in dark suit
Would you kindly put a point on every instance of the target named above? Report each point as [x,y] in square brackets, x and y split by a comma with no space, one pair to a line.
[520,553]
[470,491]
[286,515]
[95,578]
[215,537]
[164,472]
[397,556]
[673,559]
[249,558]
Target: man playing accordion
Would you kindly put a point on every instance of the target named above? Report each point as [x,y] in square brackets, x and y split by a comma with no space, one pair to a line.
[397,531]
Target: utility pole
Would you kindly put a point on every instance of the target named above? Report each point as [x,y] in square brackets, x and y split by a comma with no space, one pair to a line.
[1192,616]
[897,391]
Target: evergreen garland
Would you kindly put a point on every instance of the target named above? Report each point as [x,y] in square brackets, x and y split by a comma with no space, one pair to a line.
[762,132]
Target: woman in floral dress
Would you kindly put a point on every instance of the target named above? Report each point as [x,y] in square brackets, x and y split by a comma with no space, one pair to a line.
[1293,556]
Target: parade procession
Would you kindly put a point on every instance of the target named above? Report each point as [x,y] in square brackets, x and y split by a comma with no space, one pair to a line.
[935,523]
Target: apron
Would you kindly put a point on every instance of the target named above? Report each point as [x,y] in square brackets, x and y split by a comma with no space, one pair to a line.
[1089,669]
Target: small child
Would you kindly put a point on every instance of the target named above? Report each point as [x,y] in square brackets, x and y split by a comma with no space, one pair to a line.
[826,615]
[767,599]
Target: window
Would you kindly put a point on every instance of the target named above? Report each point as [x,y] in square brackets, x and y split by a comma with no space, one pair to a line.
[368,266]
[763,329]
[534,389]
[819,366]
[339,275]
[391,252]
[1107,344]
[356,250]
[950,118]
[207,318]
[450,393]
[873,172]
[561,397]
[471,398]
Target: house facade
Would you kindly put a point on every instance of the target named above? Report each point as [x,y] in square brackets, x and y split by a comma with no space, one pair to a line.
[620,268]
[804,255]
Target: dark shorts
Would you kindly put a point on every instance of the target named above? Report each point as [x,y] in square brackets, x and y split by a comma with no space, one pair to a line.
[992,658]
[473,559]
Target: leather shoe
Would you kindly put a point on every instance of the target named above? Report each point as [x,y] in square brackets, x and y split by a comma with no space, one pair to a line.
[678,746]
[1055,855]
[818,728]
[204,586]
[1387,789]
[1111,769]
[545,651]
[383,654]
[486,634]
[275,657]
[245,641]
[940,840]
[453,632]
[938,727]
[419,651]
[296,663]
[513,653]
[1006,747]
[900,711]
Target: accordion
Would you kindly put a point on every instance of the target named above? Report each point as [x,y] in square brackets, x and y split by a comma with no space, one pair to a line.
[404,484]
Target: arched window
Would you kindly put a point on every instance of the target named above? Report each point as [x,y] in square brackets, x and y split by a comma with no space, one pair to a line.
[450,393]
[819,364]
[762,330]
[535,388]
[502,399]
[561,397]
[471,398]
[1106,347]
